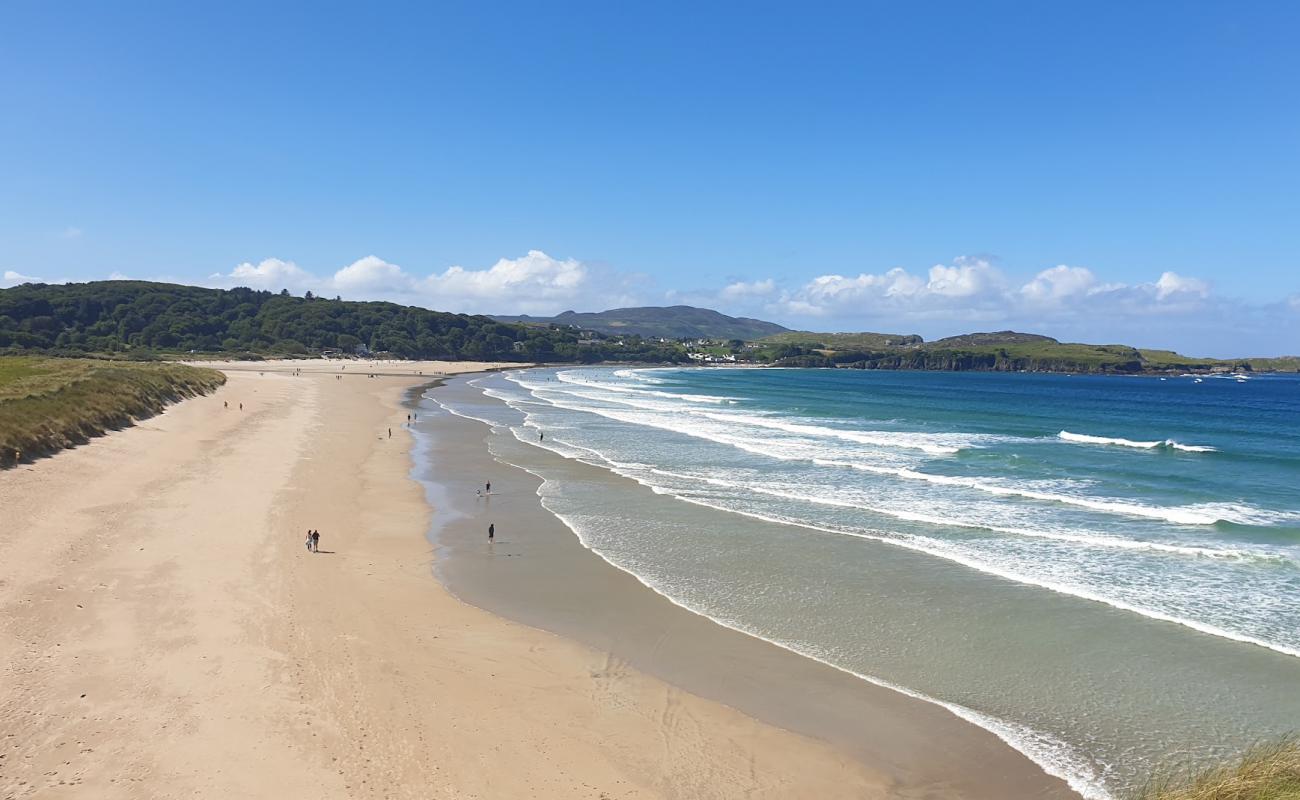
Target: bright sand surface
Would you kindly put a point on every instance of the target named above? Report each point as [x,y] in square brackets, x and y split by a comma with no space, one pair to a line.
[164,633]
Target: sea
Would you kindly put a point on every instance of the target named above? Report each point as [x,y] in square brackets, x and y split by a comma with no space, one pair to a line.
[1103,571]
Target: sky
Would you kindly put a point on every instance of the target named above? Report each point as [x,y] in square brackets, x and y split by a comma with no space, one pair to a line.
[1103,171]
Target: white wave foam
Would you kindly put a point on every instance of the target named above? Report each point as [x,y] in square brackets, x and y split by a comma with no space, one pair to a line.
[1201,514]
[1053,755]
[1086,539]
[1083,438]
[569,377]
[928,546]
[925,442]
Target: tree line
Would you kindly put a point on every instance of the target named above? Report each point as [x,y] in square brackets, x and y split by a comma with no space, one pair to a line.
[140,318]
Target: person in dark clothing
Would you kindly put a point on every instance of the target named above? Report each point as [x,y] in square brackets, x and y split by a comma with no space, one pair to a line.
[492,532]
[315,541]
[487,489]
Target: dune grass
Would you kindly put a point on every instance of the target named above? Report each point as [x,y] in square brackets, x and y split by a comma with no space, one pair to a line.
[1268,772]
[47,404]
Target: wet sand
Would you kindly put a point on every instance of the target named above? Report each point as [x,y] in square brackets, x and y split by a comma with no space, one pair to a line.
[537,572]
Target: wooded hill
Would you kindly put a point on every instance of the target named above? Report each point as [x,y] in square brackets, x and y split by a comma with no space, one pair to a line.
[667,322]
[141,318]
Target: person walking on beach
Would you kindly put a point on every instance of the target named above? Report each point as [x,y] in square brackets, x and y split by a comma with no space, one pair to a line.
[541,436]
[315,541]
[488,488]
[390,433]
[492,532]
[309,540]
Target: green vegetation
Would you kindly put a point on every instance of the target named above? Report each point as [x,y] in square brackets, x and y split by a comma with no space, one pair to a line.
[1003,351]
[654,322]
[140,318]
[47,404]
[842,341]
[1269,772]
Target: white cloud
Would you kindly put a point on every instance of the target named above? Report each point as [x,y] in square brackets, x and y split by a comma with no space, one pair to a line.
[71,232]
[534,283]
[118,276]
[965,278]
[269,273]
[371,274]
[1172,284]
[12,278]
[1053,285]
[964,286]
[741,289]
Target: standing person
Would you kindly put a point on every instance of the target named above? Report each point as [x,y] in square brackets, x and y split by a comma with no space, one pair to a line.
[487,489]
[541,436]
[390,433]
[309,540]
[492,531]
[408,419]
[315,541]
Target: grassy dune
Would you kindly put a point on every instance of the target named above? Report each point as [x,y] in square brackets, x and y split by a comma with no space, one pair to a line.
[47,404]
[1269,772]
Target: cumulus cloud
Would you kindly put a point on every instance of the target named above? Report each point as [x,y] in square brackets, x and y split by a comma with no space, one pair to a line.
[12,278]
[535,283]
[371,274]
[269,273]
[1051,286]
[965,287]
[1172,284]
[742,289]
[973,289]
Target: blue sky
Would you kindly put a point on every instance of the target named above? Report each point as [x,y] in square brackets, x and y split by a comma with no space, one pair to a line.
[1095,171]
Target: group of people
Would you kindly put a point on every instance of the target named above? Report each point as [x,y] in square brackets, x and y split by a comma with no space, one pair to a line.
[313,541]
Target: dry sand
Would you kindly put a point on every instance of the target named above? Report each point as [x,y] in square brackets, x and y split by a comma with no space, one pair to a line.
[164,633]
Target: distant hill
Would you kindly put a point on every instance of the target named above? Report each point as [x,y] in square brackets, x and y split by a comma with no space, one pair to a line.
[998,338]
[844,341]
[668,322]
[1002,351]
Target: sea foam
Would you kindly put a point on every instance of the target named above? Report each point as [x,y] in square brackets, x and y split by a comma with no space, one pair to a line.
[1170,444]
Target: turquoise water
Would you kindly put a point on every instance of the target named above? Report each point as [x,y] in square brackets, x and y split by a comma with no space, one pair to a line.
[1103,571]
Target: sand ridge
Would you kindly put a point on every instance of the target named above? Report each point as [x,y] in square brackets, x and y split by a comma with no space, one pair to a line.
[164,633]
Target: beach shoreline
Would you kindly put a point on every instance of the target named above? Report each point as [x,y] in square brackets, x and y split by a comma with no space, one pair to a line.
[163,631]
[539,573]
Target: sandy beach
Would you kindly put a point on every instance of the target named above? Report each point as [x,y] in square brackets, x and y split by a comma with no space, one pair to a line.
[164,633]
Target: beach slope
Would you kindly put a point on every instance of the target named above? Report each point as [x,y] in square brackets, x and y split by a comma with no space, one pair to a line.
[165,633]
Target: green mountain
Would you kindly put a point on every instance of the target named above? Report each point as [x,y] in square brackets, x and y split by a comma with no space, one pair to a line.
[670,322]
[141,318]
